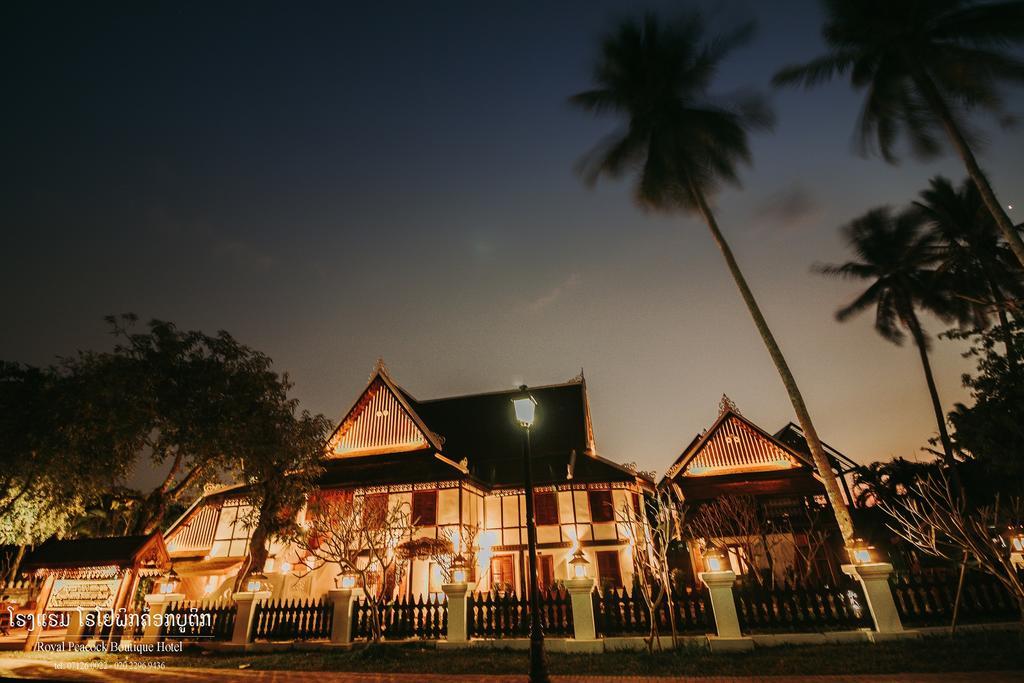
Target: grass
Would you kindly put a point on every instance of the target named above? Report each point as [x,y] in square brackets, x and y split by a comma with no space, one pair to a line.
[977,651]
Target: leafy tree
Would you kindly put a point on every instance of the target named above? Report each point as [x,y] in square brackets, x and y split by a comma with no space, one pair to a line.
[992,428]
[56,448]
[683,145]
[980,267]
[280,460]
[924,64]
[193,403]
[898,259]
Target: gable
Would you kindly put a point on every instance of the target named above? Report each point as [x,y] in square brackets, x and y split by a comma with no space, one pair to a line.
[380,422]
[733,446]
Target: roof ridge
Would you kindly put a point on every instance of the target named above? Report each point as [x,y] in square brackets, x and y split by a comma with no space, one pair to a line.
[570,383]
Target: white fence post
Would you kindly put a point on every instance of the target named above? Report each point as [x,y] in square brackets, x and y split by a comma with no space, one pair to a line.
[723,607]
[874,577]
[158,604]
[456,594]
[581,593]
[246,602]
[343,601]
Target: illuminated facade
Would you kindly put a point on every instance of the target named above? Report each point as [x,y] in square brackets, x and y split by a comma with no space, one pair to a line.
[456,462]
[735,457]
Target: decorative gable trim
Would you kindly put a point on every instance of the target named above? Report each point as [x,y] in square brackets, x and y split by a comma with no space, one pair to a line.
[734,444]
[381,421]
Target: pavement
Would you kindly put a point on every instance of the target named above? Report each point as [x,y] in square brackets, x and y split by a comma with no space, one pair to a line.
[12,668]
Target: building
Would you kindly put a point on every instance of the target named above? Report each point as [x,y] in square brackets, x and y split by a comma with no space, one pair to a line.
[778,522]
[457,462]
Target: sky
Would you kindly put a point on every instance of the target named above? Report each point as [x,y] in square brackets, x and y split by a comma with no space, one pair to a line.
[332,183]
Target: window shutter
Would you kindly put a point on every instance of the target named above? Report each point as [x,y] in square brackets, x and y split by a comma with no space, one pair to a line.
[424,508]
[545,508]
[601,509]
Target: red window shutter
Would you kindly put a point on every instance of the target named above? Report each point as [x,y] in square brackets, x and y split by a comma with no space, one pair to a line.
[375,510]
[546,571]
[636,504]
[545,508]
[601,509]
[608,568]
[424,508]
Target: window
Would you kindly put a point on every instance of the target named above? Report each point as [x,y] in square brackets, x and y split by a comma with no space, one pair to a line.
[375,510]
[601,509]
[545,508]
[636,505]
[545,572]
[608,568]
[424,508]
[502,575]
[231,537]
[436,578]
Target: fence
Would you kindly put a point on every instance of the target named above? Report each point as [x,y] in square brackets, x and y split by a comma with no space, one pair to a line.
[796,607]
[618,612]
[208,620]
[406,617]
[507,615]
[292,620]
[928,599]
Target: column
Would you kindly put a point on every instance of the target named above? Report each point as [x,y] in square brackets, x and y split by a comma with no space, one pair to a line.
[343,601]
[723,606]
[580,592]
[874,577]
[246,602]
[456,594]
[158,604]
[76,624]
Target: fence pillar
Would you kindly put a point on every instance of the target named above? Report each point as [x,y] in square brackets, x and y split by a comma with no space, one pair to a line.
[580,592]
[874,577]
[343,601]
[246,602]
[457,612]
[723,609]
[158,604]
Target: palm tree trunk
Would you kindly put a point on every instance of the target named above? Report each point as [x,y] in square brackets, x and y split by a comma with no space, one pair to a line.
[940,418]
[938,104]
[821,461]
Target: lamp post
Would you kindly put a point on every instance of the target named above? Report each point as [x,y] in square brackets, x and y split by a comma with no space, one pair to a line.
[525,407]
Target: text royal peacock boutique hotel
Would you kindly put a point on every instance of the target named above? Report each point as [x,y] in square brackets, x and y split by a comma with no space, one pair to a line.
[457,462]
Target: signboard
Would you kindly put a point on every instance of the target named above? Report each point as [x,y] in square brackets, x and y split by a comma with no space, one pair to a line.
[70,594]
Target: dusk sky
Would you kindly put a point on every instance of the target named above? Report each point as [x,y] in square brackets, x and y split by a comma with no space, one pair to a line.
[332,183]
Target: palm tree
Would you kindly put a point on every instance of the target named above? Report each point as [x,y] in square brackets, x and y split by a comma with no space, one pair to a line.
[980,266]
[924,64]
[899,258]
[683,146]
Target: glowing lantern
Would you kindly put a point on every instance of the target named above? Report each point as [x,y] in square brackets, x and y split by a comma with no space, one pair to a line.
[346,580]
[257,583]
[860,551]
[526,407]
[170,581]
[715,560]
[578,564]
[459,573]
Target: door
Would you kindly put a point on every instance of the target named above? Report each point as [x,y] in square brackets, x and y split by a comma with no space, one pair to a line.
[502,573]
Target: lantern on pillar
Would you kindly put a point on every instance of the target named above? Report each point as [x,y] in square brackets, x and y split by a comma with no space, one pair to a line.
[578,564]
[257,583]
[861,552]
[460,573]
[169,581]
[346,580]
[715,560]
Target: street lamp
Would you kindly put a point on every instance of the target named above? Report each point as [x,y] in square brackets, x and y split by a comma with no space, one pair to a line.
[525,409]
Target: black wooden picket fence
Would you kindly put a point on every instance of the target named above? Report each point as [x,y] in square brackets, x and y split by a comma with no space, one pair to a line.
[406,617]
[928,599]
[800,607]
[292,620]
[618,612]
[185,620]
[507,615]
